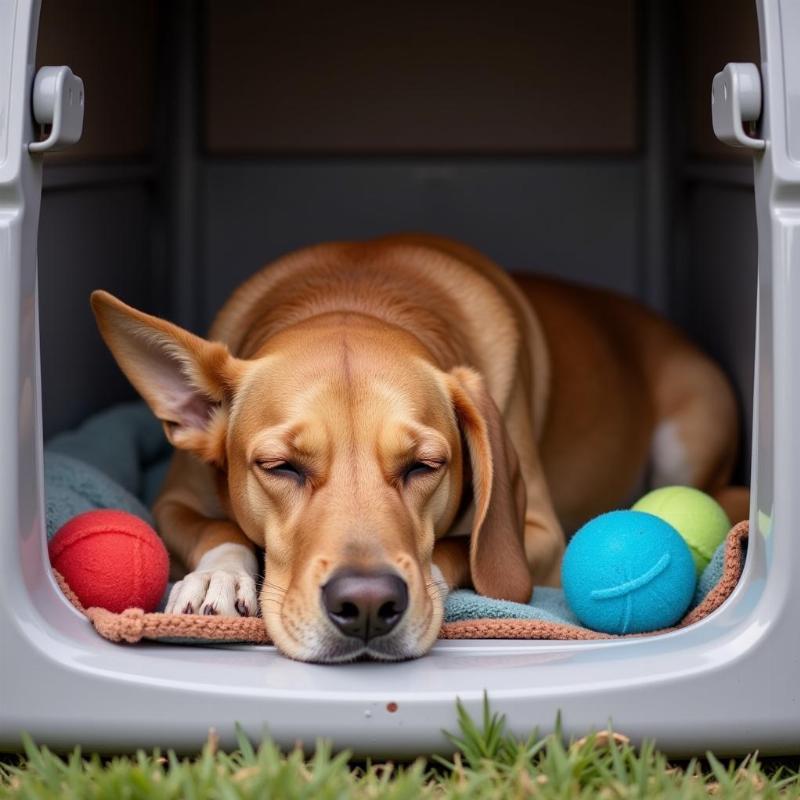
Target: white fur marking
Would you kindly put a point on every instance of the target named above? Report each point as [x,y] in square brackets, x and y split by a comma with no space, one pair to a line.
[670,464]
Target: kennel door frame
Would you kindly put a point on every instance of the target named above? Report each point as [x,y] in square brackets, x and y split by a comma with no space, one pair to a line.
[725,683]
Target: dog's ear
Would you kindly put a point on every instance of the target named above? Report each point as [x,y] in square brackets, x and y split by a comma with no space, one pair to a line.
[497,559]
[185,379]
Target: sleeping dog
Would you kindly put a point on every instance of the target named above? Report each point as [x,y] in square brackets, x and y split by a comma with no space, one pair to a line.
[391,419]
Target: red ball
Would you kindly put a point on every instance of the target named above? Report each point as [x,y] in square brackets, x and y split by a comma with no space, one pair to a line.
[111,559]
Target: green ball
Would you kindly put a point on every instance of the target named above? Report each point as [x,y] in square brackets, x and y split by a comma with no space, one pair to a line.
[698,518]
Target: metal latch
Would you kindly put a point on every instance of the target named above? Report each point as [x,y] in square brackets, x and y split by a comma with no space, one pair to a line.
[57,102]
[736,99]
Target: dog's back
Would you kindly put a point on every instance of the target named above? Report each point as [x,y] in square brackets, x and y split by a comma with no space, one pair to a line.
[620,399]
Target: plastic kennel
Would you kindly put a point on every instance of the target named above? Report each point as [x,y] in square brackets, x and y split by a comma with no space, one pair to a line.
[727,683]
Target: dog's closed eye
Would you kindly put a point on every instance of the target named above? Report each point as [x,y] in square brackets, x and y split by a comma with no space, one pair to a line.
[419,469]
[284,469]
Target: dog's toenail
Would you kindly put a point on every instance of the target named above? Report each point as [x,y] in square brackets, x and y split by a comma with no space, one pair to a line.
[188,609]
[209,610]
[242,609]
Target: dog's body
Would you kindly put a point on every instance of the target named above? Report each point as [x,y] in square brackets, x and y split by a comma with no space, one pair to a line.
[362,389]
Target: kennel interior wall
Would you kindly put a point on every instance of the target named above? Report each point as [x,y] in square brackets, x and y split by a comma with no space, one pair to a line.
[219,136]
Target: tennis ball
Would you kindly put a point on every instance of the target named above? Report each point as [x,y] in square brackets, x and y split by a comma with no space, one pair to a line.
[111,559]
[698,518]
[628,572]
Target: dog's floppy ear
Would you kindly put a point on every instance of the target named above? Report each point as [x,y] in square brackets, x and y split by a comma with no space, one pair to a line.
[184,379]
[497,559]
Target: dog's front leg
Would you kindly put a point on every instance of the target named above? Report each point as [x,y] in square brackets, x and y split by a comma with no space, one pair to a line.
[544,547]
[544,536]
[451,561]
[219,559]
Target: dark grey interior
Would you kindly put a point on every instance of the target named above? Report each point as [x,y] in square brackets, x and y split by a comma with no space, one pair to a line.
[593,161]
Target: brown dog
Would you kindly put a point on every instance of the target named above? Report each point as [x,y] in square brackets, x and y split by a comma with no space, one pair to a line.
[393,418]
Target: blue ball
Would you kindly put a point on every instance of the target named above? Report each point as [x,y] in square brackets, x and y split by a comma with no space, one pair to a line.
[628,572]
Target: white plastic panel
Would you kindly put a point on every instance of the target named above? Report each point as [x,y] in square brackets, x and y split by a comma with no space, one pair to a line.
[725,684]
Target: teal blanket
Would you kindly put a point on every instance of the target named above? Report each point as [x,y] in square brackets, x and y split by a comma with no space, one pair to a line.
[119,457]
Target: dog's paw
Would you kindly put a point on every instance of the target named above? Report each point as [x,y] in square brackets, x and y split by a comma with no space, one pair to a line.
[229,594]
[223,584]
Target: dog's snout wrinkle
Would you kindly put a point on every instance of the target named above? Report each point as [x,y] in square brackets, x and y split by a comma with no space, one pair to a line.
[365,605]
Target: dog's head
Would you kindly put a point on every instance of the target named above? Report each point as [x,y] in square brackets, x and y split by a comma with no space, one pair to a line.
[346,454]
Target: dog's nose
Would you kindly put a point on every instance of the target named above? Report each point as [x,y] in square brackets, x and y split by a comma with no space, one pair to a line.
[365,604]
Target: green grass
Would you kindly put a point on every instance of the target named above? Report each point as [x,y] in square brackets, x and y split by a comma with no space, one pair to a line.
[486,763]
